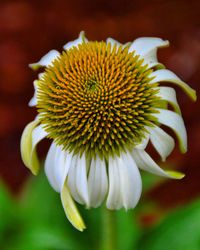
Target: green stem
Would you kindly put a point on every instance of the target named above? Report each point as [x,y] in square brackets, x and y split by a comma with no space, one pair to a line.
[109,230]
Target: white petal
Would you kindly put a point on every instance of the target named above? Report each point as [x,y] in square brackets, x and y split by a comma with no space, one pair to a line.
[130,181]
[169,94]
[162,142]
[49,166]
[71,210]
[76,42]
[62,170]
[176,123]
[113,42]
[151,60]
[71,181]
[31,136]
[45,60]
[144,45]
[114,199]
[145,162]
[97,182]
[61,167]
[33,101]
[164,75]
[147,47]
[28,152]
[144,142]
[81,180]
[37,135]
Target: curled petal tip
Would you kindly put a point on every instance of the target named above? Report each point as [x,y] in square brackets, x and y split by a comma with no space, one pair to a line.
[71,210]
[34,66]
[175,174]
[193,95]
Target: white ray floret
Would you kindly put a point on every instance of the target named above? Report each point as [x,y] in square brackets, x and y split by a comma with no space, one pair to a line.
[76,42]
[163,143]
[46,60]
[145,162]
[165,75]
[146,47]
[176,123]
[169,94]
[97,182]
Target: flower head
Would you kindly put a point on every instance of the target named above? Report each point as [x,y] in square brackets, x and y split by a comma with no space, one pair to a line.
[101,103]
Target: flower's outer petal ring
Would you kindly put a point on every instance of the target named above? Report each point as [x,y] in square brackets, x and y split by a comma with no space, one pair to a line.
[71,210]
[163,143]
[176,123]
[97,182]
[145,162]
[147,47]
[114,199]
[165,75]
[130,181]
[75,43]
[31,136]
[45,60]
[169,94]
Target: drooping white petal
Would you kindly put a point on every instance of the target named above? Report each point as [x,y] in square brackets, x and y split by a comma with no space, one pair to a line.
[97,182]
[45,60]
[163,143]
[71,210]
[147,47]
[130,181]
[75,43]
[61,166]
[164,75]
[169,94]
[31,136]
[145,162]
[176,123]
[81,180]
[62,169]
[38,134]
[33,101]
[49,166]
[71,180]
[114,199]
[144,142]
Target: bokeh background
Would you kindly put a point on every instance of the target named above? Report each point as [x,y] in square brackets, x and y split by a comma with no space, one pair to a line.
[29,29]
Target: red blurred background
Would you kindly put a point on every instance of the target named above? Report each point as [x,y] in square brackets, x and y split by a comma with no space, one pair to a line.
[29,29]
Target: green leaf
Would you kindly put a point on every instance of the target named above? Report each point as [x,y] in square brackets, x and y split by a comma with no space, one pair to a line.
[179,231]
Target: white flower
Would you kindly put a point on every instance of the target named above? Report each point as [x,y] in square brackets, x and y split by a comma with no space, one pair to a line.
[102,103]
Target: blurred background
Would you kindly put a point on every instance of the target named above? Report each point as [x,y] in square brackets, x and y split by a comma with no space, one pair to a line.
[28,30]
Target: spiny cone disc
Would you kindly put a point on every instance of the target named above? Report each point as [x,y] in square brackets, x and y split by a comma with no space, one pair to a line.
[97,99]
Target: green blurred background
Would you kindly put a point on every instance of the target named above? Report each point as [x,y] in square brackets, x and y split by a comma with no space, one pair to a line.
[31,215]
